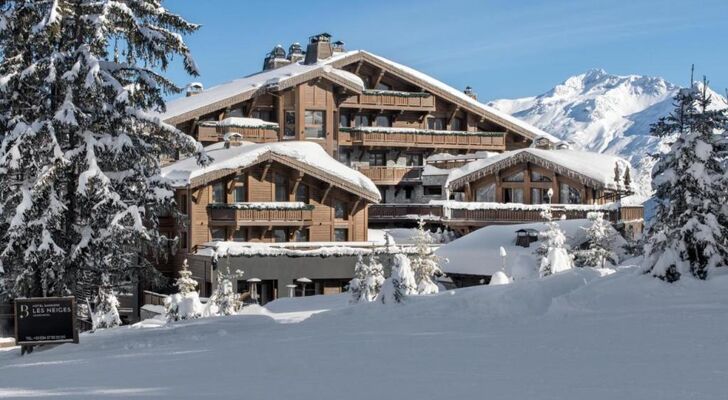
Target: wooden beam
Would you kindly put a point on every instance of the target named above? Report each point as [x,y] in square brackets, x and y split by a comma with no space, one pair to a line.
[326,192]
[378,79]
[358,67]
[266,167]
[253,104]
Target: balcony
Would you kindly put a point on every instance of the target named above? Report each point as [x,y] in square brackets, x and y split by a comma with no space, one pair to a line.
[515,216]
[392,175]
[391,100]
[260,214]
[212,132]
[422,138]
[404,212]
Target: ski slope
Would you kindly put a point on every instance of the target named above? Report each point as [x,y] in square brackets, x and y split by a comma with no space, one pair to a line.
[581,334]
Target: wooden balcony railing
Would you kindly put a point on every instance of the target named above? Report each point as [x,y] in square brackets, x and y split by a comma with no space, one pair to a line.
[507,216]
[260,217]
[391,100]
[394,137]
[391,175]
[392,212]
[257,135]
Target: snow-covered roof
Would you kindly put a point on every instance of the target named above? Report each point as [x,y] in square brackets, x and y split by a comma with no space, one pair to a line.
[231,91]
[306,154]
[596,168]
[437,157]
[240,122]
[478,253]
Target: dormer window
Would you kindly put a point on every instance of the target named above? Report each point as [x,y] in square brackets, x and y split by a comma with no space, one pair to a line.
[456,124]
[218,193]
[436,124]
[517,177]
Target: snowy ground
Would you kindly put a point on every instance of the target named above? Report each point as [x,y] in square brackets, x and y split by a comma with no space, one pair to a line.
[575,335]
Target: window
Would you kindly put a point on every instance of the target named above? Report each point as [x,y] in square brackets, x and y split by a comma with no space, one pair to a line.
[377,159]
[413,160]
[301,235]
[485,194]
[361,120]
[340,211]
[240,191]
[517,177]
[182,205]
[183,240]
[538,177]
[367,81]
[218,234]
[513,195]
[240,235]
[539,196]
[569,195]
[341,235]
[383,121]
[302,193]
[315,126]
[382,86]
[432,190]
[265,115]
[345,157]
[408,193]
[344,120]
[218,193]
[281,187]
[289,127]
[456,124]
[280,235]
[436,124]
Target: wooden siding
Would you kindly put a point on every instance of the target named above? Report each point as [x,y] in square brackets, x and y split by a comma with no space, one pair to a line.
[384,101]
[491,142]
[391,175]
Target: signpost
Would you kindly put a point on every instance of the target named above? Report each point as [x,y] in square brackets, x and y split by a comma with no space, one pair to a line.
[45,320]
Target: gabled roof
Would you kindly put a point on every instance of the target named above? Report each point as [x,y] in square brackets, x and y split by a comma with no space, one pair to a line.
[594,169]
[308,157]
[227,94]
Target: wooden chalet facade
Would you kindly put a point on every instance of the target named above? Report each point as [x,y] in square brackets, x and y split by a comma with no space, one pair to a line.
[269,197]
[379,117]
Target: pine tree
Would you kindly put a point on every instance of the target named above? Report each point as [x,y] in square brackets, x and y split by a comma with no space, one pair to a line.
[554,251]
[425,264]
[600,238]
[355,284]
[401,283]
[106,314]
[224,300]
[186,303]
[368,279]
[80,191]
[688,233]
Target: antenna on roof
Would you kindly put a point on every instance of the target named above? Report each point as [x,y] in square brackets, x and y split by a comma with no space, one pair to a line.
[692,73]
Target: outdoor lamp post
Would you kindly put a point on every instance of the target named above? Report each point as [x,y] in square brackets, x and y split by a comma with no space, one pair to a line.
[291,290]
[303,281]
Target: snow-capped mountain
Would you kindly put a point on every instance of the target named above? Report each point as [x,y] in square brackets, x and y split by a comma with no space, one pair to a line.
[606,113]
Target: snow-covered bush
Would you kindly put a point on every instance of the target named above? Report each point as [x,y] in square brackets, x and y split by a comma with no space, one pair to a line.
[688,233]
[554,251]
[224,300]
[106,314]
[368,279]
[499,278]
[425,264]
[401,283]
[186,303]
[601,239]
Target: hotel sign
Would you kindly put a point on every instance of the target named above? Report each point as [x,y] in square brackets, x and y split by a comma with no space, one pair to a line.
[45,320]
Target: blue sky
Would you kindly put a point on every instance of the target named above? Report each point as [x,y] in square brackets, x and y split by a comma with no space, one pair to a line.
[504,49]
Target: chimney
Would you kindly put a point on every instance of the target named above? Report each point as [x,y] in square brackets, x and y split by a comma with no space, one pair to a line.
[295,53]
[275,59]
[319,48]
[542,143]
[233,139]
[194,88]
[469,92]
[339,47]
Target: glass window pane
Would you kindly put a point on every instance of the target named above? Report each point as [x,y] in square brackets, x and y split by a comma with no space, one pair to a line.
[485,193]
[241,235]
[456,124]
[383,121]
[218,234]
[280,235]
[290,124]
[341,235]
[517,177]
[340,209]
[281,188]
[218,193]
[569,195]
[302,193]
[382,86]
[301,235]
[361,120]
[343,120]
[518,195]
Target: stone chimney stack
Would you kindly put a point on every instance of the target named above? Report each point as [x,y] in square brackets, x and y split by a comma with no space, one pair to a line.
[319,48]
[339,47]
[470,93]
[194,88]
[295,53]
[275,59]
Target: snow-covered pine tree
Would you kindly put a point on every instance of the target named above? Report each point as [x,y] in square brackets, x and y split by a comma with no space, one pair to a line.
[600,238]
[106,314]
[554,250]
[355,284]
[186,303]
[425,264]
[224,300]
[371,286]
[401,283]
[688,233]
[80,190]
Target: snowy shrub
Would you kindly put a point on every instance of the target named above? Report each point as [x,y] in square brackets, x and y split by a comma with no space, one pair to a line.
[356,282]
[401,282]
[688,233]
[185,304]
[106,314]
[224,300]
[425,264]
[368,279]
[554,251]
[499,278]
[601,238]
